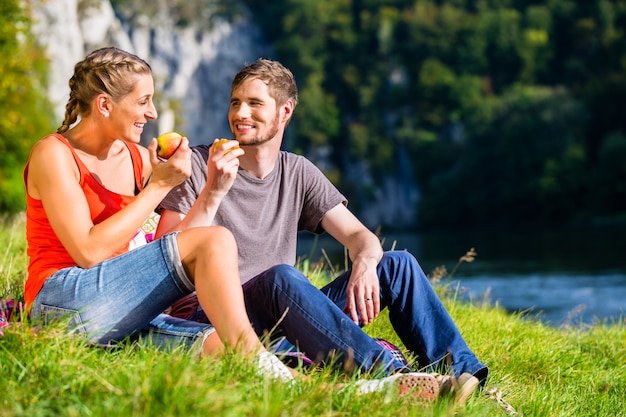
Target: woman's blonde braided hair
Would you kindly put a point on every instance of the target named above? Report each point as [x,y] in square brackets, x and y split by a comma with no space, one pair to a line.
[107,70]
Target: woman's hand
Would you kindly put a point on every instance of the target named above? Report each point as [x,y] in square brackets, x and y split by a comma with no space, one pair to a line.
[168,174]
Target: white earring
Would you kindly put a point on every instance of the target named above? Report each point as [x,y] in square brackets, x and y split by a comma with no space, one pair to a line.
[105,114]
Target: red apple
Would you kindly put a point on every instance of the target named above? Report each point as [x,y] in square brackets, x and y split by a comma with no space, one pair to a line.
[167,143]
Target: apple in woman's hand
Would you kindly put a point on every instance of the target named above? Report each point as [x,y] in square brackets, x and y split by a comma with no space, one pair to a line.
[167,143]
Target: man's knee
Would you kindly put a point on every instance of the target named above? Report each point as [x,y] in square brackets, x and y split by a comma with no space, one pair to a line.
[399,255]
[399,268]
[399,259]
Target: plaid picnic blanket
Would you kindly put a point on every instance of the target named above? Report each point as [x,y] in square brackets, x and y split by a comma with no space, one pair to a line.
[10,310]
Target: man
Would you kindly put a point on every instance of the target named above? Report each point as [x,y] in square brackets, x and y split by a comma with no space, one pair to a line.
[265,196]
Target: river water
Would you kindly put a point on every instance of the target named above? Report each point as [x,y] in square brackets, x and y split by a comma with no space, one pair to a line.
[561,277]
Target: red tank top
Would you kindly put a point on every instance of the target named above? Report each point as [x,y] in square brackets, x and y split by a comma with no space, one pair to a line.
[46,252]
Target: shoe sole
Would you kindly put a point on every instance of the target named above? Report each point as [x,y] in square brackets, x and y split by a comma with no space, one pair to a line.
[422,386]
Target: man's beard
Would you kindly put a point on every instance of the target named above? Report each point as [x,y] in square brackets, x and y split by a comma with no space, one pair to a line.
[272,131]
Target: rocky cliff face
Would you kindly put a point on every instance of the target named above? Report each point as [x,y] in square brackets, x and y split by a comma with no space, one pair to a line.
[192,66]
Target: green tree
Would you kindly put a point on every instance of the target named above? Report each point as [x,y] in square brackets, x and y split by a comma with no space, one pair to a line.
[526,165]
[609,176]
[515,100]
[25,114]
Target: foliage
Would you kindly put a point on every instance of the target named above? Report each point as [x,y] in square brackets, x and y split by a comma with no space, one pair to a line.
[25,114]
[184,13]
[510,110]
[13,259]
[504,107]
[524,159]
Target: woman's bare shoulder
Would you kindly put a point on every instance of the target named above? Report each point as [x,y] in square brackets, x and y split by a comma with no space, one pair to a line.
[50,148]
[50,143]
[51,162]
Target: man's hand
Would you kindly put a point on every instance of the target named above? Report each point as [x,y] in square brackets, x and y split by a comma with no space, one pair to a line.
[363,292]
[222,166]
[363,289]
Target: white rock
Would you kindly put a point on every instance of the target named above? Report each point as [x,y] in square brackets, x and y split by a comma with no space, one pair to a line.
[192,68]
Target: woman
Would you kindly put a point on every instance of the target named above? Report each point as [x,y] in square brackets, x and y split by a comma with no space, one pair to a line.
[89,188]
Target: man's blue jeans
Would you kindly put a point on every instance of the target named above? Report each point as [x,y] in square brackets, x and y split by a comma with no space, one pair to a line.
[315,322]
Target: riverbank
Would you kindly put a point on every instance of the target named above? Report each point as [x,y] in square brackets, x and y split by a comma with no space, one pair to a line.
[535,370]
[563,276]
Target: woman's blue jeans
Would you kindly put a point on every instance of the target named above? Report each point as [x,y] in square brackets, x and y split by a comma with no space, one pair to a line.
[123,298]
[315,322]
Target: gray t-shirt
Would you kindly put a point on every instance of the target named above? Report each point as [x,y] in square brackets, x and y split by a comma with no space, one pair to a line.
[264,215]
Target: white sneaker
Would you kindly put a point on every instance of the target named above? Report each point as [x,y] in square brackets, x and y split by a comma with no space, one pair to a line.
[418,384]
[270,366]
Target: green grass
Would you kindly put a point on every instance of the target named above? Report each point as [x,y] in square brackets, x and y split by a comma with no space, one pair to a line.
[536,370]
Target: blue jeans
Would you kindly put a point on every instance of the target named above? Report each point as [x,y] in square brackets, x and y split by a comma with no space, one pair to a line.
[282,300]
[123,298]
[316,324]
